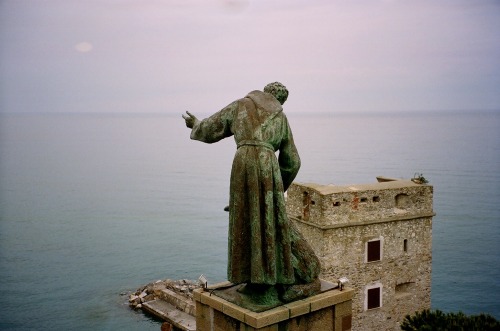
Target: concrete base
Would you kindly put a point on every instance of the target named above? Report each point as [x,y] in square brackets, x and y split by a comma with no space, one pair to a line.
[328,311]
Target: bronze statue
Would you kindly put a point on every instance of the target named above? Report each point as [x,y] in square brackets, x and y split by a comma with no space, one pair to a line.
[265,249]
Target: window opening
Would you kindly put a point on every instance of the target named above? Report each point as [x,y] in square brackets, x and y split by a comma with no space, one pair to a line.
[374,298]
[373,249]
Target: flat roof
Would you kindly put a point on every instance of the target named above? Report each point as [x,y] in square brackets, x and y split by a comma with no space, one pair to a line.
[331,188]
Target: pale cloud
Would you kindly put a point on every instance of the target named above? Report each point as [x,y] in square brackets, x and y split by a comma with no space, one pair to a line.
[157,56]
[84,47]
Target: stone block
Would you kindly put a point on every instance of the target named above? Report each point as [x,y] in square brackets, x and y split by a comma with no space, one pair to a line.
[318,320]
[234,311]
[204,316]
[298,308]
[346,322]
[344,308]
[269,317]
[323,319]
[217,314]
[197,294]
[213,301]
[223,322]
[327,299]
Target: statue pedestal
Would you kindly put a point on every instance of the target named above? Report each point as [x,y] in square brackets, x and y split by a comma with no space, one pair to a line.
[327,311]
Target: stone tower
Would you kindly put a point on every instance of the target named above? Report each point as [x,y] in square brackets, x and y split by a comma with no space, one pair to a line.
[377,235]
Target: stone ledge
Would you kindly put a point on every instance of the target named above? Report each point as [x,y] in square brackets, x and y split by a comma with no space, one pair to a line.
[168,312]
[180,302]
[364,223]
[326,299]
[269,317]
[299,307]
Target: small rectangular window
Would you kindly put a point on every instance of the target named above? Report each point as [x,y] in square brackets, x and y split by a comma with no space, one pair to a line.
[405,245]
[373,298]
[373,251]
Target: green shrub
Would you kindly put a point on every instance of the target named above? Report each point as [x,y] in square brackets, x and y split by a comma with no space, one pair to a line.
[427,320]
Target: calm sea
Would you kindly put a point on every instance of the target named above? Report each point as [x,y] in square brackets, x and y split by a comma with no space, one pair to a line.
[94,206]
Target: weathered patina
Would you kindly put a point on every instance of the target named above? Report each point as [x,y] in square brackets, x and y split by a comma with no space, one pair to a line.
[265,250]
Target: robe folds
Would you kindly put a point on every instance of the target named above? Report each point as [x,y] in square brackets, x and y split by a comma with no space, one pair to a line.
[263,246]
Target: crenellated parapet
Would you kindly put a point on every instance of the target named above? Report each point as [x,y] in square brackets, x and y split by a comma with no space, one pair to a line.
[329,206]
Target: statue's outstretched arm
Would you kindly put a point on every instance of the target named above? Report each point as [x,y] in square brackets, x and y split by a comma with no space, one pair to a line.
[191,120]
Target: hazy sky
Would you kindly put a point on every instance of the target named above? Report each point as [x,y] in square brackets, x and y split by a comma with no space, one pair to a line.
[174,55]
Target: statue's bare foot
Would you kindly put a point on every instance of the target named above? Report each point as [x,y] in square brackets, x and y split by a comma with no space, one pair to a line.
[300,291]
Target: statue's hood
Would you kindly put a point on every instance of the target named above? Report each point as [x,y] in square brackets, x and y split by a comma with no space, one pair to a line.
[265,101]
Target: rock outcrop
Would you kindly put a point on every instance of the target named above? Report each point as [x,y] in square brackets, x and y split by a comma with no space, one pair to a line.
[179,293]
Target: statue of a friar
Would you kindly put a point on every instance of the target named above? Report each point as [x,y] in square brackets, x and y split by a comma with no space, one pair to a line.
[265,248]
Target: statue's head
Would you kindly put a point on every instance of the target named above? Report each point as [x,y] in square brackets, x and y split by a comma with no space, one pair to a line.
[278,90]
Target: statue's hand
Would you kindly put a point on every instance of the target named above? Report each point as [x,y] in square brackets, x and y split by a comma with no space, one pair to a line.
[190,119]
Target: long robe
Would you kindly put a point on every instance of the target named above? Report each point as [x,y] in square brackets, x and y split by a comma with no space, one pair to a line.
[263,246]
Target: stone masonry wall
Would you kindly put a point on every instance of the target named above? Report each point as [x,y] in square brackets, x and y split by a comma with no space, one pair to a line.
[339,237]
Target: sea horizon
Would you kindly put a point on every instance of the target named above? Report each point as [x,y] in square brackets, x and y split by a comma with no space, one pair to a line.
[92,207]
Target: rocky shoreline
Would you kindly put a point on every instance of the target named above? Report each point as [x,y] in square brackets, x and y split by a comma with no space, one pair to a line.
[177,292]
[169,300]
